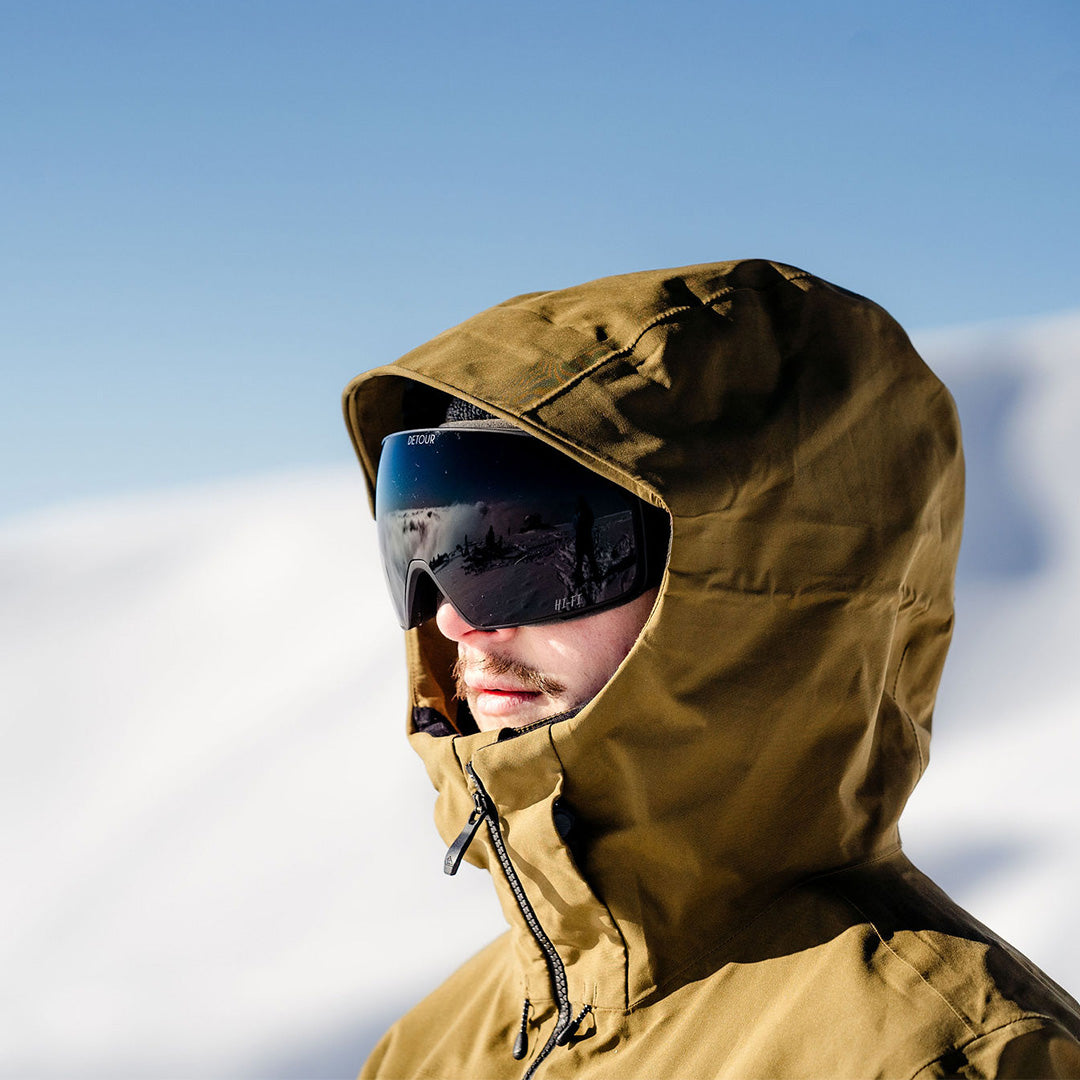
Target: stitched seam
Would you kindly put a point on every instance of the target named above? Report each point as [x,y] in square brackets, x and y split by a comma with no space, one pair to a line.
[663,316]
[1027,1018]
[881,856]
[896,680]
[712,298]
[908,964]
[655,321]
[904,712]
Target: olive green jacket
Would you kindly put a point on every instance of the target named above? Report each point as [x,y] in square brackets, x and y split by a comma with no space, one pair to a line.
[732,900]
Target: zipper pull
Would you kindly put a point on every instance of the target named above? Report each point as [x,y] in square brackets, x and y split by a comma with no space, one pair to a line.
[521,1043]
[570,1030]
[456,851]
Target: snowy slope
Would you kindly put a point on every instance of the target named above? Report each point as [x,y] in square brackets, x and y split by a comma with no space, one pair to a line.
[211,819]
[996,819]
[218,854]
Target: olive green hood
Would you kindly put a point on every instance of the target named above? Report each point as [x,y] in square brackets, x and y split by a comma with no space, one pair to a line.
[775,713]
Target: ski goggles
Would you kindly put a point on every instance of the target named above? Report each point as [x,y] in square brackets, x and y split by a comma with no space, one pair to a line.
[508,529]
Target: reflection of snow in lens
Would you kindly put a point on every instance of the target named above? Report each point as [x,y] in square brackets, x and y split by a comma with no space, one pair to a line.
[498,562]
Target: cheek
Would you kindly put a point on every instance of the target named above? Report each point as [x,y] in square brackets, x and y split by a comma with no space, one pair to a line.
[566,656]
[584,653]
[588,657]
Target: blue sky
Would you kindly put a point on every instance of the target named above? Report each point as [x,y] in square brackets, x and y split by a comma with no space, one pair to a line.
[215,213]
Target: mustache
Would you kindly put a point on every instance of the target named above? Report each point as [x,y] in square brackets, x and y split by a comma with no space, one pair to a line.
[495,665]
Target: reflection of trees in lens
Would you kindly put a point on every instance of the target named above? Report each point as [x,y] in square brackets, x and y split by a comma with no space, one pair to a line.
[599,559]
[586,573]
[541,565]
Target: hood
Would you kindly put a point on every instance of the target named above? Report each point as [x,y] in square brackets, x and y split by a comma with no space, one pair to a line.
[774,715]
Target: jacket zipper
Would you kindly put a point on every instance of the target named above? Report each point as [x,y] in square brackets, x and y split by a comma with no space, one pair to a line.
[486,811]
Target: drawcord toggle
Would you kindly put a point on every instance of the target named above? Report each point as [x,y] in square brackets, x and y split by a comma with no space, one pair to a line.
[570,1030]
[521,1043]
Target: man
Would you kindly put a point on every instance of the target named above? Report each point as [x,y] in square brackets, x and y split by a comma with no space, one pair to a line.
[685,767]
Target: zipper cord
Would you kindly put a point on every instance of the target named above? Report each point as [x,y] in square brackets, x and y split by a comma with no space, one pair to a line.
[486,811]
[521,1043]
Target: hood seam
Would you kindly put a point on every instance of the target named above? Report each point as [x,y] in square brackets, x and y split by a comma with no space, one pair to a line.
[661,317]
[904,712]
[617,354]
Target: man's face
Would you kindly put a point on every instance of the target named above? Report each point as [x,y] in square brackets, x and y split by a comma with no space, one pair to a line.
[515,676]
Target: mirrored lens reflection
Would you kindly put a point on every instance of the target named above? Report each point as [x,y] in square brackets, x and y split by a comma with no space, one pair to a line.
[513,531]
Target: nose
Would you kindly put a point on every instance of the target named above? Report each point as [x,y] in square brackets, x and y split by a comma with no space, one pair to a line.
[451,625]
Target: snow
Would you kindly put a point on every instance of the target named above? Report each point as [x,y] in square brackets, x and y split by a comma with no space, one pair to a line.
[995,818]
[207,804]
[218,853]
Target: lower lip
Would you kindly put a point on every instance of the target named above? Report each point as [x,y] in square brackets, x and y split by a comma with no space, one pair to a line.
[503,702]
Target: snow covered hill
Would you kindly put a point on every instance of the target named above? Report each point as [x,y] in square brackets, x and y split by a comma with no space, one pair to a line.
[218,854]
[995,820]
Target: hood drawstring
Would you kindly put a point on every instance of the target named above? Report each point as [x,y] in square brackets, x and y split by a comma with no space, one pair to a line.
[521,1043]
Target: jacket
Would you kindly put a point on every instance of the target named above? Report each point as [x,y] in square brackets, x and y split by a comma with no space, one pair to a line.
[701,869]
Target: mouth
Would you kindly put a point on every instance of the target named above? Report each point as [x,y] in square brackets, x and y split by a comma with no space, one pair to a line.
[501,687]
[503,691]
[500,699]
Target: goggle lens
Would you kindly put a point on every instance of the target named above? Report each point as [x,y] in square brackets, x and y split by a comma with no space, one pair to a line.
[507,528]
